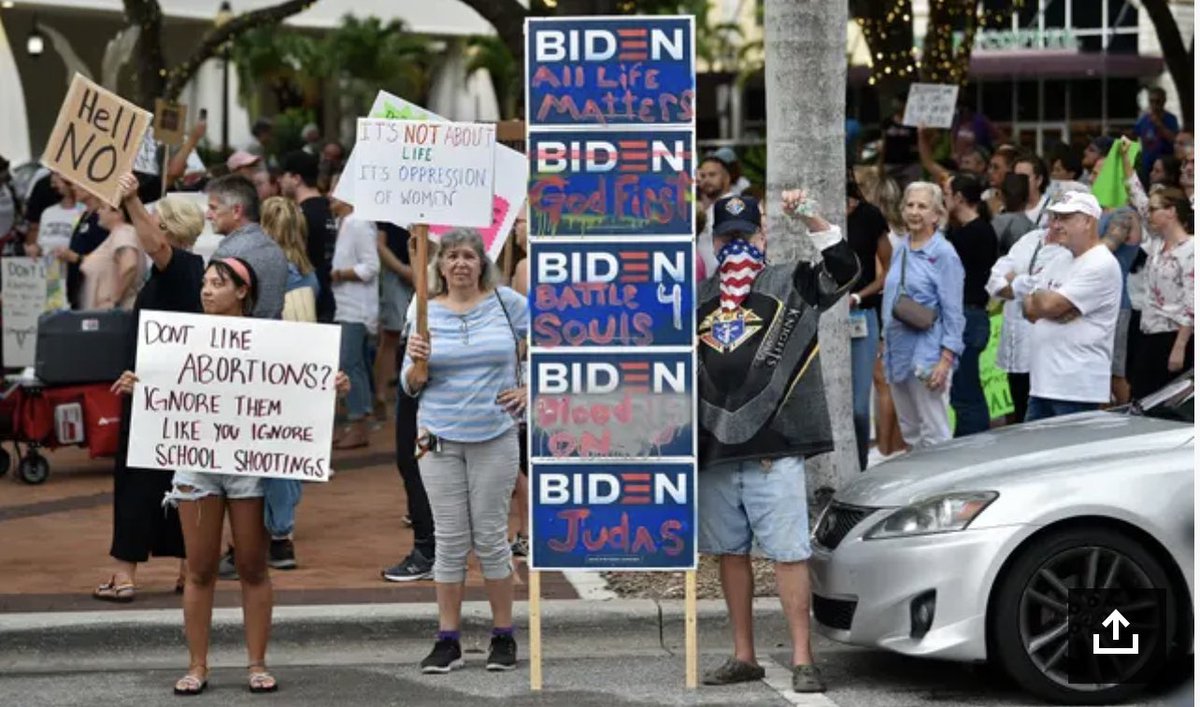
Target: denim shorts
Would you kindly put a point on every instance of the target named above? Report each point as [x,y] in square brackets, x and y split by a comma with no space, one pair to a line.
[230,486]
[741,502]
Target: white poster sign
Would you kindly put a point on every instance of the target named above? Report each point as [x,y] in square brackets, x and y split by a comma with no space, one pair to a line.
[24,294]
[512,176]
[931,105]
[147,156]
[234,395]
[412,171]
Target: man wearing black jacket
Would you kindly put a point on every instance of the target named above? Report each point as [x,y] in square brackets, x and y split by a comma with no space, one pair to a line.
[762,412]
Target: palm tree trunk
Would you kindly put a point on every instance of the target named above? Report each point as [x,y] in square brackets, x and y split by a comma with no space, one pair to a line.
[805,46]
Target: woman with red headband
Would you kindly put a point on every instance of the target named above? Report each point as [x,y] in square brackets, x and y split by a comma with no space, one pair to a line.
[229,289]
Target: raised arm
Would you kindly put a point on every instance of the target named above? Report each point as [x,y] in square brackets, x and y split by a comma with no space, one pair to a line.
[177,167]
[151,237]
[823,283]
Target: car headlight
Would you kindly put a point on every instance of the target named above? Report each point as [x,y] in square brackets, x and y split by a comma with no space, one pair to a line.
[939,514]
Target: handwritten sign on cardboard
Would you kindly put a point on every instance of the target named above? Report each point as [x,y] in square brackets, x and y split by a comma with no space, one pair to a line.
[233,395]
[931,105]
[512,173]
[425,172]
[31,287]
[95,139]
[169,121]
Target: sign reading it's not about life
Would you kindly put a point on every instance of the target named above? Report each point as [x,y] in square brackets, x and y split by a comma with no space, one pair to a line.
[96,138]
[232,395]
[424,172]
[931,105]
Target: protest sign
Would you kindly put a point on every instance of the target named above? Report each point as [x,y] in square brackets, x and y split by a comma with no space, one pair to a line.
[623,515]
[634,71]
[234,395]
[611,183]
[612,295]
[512,174]
[994,380]
[169,121]
[930,105]
[615,406]
[424,172]
[96,138]
[146,161]
[31,287]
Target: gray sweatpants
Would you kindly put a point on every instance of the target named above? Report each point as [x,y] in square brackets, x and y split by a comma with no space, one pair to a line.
[470,485]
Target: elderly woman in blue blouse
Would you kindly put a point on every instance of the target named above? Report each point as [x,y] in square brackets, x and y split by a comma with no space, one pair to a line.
[923,318]
[470,401]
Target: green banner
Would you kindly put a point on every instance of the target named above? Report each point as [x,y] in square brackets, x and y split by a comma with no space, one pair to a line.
[994,380]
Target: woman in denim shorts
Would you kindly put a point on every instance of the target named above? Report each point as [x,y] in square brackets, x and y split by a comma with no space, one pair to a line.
[229,289]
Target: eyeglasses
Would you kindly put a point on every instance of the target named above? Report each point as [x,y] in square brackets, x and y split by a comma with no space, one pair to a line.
[466,333]
[1152,208]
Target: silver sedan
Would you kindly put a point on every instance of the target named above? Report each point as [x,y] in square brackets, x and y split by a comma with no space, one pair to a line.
[985,549]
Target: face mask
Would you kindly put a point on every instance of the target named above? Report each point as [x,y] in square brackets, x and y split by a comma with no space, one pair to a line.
[738,264]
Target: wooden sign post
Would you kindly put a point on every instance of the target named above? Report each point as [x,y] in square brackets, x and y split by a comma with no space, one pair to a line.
[421,283]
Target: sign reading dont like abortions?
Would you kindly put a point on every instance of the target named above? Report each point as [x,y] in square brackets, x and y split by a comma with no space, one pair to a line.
[96,138]
[233,395]
[424,172]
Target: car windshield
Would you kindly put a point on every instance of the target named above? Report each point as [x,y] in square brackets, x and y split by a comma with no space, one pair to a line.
[1175,401]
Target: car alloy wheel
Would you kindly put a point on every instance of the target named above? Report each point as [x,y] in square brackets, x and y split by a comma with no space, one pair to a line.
[1030,613]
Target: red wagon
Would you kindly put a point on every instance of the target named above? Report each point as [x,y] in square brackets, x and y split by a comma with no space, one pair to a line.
[34,416]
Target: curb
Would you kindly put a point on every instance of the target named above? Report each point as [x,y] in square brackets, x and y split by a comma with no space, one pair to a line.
[644,619]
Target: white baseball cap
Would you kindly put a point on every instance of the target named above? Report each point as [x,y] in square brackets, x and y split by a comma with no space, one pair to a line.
[1075,202]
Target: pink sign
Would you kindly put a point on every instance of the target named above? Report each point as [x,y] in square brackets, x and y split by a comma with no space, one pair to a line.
[493,244]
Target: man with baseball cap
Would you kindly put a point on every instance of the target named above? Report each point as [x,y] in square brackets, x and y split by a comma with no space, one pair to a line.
[761,413]
[1074,311]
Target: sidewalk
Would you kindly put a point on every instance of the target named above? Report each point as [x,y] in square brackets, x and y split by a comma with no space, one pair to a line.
[56,541]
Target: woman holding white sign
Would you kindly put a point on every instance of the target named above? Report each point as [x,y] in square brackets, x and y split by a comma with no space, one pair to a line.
[229,289]
[471,398]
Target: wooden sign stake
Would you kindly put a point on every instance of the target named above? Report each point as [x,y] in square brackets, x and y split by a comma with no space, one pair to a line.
[166,162]
[691,652]
[535,630]
[420,280]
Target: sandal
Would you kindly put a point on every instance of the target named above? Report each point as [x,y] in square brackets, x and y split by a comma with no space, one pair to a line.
[191,684]
[261,681]
[111,591]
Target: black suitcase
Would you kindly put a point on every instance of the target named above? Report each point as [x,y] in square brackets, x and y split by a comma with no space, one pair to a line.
[83,347]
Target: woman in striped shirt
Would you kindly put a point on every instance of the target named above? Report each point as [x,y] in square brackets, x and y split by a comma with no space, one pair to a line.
[470,400]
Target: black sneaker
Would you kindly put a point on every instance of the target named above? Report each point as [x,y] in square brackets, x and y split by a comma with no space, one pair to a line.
[503,654]
[445,656]
[227,568]
[283,555]
[415,566]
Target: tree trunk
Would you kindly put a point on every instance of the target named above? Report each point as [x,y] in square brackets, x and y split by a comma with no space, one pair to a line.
[507,17]
[889,33]
[569,8]
[150,63]
[1180,61]
[210,46]
[805,46]
[941,62]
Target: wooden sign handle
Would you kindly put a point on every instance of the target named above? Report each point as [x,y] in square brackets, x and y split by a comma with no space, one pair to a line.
[420,281]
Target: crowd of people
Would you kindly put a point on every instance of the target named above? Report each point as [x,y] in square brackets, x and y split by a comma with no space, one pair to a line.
[941,233]
[998,228]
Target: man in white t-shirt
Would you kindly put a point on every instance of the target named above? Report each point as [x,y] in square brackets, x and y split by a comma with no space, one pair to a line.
[1074,313]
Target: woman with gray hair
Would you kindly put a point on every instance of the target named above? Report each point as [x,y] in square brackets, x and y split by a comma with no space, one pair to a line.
[471,396]
[923,318]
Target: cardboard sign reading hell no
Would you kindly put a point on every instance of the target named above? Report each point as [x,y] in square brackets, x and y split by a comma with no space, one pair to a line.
[95,139]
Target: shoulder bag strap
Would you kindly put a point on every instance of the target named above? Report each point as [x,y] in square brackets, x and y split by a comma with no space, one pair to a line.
[513,330]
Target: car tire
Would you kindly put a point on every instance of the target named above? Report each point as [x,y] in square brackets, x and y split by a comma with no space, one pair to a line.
[1008,646]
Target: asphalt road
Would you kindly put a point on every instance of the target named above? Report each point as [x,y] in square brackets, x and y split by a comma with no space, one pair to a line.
[615,668]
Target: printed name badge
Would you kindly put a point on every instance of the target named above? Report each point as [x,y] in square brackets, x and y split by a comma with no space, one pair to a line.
[858,325]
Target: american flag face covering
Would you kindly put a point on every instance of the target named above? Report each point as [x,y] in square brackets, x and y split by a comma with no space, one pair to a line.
[738,264]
